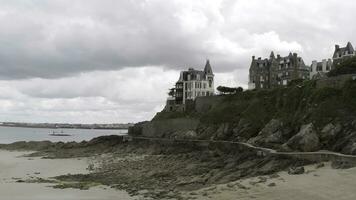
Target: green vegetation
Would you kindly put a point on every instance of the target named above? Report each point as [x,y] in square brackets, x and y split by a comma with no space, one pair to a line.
[348,66]
[298,104]
[229,90]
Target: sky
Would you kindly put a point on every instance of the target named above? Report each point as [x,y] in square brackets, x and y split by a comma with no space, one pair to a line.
[113,61]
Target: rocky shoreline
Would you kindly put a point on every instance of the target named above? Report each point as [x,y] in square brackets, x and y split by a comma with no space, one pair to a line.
[154,170]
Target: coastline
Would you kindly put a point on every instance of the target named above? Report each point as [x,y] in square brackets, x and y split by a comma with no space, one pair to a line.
[177,171]
[14,168]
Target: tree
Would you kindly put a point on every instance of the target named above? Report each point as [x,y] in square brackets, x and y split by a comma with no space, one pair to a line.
[229,90]
[348,66]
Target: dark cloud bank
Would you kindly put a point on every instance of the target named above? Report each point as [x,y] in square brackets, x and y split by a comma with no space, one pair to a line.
[57,55]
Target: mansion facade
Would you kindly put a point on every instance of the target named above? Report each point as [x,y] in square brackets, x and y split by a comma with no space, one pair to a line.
[276,71]
[194,83]
[190,85]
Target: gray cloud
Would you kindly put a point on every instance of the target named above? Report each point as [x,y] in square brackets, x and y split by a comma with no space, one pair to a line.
[60,38]
[113,60]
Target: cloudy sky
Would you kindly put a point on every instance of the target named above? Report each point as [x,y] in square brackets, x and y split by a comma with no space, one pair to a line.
[106,61]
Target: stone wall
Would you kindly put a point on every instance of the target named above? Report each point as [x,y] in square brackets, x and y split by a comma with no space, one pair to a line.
[335,82]
[165,128]
[202,104]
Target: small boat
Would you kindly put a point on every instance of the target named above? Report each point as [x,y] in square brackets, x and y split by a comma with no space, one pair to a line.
[59,134]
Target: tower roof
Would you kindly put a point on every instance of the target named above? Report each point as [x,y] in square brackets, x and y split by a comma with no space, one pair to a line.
[349,48]
[272,54]
[207,68]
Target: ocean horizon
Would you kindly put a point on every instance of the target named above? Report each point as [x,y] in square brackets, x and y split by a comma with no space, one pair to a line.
[15,134]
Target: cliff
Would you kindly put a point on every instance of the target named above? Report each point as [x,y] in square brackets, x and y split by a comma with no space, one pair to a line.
[306,116]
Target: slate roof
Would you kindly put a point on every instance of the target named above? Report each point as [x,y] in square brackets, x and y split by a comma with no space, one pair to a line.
[207,68]
[340,51]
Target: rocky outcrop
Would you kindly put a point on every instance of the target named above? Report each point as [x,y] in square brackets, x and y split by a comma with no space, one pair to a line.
[329,132]
[223,132]
[296,170]
[242,131]
[272,133]
[169,128]
[306,139]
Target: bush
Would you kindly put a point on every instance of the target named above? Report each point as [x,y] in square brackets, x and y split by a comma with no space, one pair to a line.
[348,66]
[229,90]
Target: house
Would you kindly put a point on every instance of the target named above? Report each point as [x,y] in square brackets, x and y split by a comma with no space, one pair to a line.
[277,71]
[319,69]
[191,84]
[340,54]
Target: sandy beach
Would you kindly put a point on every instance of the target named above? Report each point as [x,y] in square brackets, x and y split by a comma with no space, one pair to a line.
[14,167]
[316,184]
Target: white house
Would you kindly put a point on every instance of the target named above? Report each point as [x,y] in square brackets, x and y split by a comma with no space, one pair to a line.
[194,83]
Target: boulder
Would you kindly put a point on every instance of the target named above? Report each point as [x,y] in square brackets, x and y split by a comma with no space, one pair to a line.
[305,140]
[296,170]
[272,133]
[223,131]
[184,135]
[242,131]
[329,132]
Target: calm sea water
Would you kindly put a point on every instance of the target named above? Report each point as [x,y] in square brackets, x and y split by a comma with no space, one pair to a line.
[15,134]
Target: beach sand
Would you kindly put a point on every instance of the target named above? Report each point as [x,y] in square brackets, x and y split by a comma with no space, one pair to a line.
[316,184]
[14,167]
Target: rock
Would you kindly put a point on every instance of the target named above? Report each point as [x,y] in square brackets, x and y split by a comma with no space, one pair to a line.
[271,185]
[296,170]
[230,185]
[306,139]
[320,165]
[223,131]
[184,135]
[242,131]
[329,132]
[271,133]
[342,165]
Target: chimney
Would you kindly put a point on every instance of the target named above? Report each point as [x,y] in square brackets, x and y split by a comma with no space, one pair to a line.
[259,58]
[253,57]
[337,47]
[278,56]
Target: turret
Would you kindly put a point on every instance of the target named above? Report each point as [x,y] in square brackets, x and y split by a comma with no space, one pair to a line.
[207,68]
[272,55]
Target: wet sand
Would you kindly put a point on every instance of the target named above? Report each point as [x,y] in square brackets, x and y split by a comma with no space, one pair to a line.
[316,184]
[14,167]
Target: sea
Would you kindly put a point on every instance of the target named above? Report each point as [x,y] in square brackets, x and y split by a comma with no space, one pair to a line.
[14,134]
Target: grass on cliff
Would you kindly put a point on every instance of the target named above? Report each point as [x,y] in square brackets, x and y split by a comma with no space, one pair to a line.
[296,105]
[348,66]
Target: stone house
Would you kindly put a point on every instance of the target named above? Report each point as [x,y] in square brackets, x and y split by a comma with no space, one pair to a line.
[277,71]
[343,53]
[319,69]
[191,84]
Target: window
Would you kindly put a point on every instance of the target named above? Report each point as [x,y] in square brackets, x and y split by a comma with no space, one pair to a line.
[204,85]
[210,83]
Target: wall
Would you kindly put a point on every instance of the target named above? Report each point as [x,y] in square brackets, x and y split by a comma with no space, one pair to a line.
[168,127]
[202,104]
[335,82]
